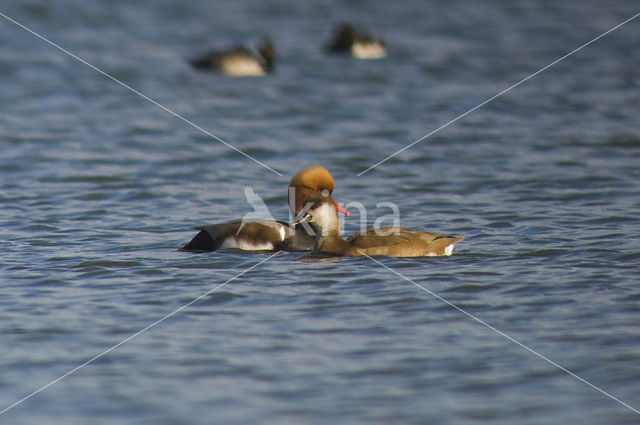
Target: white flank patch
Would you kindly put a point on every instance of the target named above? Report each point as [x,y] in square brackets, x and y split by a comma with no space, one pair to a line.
[368,50]
[282,233]
[230,243]
[242,67]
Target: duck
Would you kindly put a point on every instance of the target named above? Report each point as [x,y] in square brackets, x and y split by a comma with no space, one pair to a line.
[389,241]
[239,61]
[348,40]
[257,234]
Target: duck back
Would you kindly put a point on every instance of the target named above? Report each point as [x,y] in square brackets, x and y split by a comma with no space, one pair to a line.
[400,242]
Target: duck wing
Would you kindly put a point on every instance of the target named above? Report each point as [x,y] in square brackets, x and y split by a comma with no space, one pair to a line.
[215,59]
[254,235]
[401,242]
[384,236]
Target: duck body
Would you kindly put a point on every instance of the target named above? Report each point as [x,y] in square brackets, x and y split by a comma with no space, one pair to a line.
[349,41]
[389,241]
[253,236]
[256,234]
[239,61]
[401,242]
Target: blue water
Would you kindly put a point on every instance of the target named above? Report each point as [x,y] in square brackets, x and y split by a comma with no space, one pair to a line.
[99,187]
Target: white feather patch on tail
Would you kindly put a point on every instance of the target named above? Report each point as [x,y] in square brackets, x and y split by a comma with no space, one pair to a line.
[449,249]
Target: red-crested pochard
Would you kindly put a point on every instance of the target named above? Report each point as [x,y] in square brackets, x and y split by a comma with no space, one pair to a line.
[347,40]
[390,241]
[269,234]
[239,61]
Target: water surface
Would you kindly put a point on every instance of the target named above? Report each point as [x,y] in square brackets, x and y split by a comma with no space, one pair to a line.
[100,187]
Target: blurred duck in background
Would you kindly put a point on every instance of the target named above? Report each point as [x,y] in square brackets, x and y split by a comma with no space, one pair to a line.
[239,61]
[362,46]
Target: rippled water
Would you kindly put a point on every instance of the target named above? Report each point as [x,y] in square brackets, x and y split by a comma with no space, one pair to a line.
[100,187]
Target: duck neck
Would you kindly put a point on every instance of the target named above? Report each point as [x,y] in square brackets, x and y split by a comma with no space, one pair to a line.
[268,63]
[267,58]
[330,243]
[328,239]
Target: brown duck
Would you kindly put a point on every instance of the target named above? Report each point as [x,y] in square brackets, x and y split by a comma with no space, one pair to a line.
[390,241]
[269,234]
